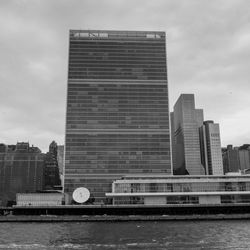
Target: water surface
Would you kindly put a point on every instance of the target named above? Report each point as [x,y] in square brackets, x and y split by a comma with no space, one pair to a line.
[127,235]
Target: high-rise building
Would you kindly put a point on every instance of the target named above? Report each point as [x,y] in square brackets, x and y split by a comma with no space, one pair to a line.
[236,159]
[244,156]
[231,161]
[186,121]
[60,161]
[51,168]
[117,108]
[211,155]
[21,170]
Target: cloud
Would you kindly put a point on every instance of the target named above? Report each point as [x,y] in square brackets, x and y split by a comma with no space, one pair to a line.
[208,46]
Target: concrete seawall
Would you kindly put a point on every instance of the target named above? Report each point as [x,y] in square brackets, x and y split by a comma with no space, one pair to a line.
[109,218]
[120,213]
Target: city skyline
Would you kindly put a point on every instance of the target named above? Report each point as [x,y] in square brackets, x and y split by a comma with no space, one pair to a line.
[208,57]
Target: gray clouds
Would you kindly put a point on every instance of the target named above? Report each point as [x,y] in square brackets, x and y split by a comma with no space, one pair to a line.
[208,46]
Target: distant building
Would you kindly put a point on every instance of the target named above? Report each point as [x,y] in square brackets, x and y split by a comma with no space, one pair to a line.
[211,155]
[236,159]
[21,170]
[185,122]
[39,199]
[196,146]
[60,161]
[51,169]
[244,157]
[231,161]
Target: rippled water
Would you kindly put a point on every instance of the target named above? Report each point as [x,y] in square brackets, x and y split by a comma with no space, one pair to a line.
[126,235]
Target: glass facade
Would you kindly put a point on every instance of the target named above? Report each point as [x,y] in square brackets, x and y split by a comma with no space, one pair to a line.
[182,187]
[186,120]
[117,108]
[182,191]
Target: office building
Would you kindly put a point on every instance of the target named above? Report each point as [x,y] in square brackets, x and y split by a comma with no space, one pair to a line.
[117,108]
[244,157]
[60,161]
[185,123]
[231,161]
[21,170]
[211,155]
[236,159]
[51,168]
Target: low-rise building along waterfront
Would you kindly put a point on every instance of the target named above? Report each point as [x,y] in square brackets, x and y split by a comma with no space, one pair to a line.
[39,199]
[163,190]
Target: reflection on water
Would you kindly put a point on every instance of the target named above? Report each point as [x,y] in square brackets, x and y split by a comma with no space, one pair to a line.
[126,235]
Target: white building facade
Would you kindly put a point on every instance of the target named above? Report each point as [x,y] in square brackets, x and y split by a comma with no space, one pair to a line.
[164,190]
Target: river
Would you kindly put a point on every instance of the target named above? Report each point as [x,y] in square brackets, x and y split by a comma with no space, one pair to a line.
[127,235]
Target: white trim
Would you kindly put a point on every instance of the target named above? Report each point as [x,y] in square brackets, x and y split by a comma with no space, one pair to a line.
[117,81]
[177,194]
[185,180]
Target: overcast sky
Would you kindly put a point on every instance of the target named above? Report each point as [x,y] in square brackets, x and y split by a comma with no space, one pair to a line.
[208,47]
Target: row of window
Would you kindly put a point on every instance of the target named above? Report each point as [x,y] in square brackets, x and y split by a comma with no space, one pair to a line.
[113,140]
[131,102]
[116,155]
[136,120]
[119,169]
[118,92]
[126,44]
[76,76]
[97,74]
[113,54]
[189,199]
[143,44]
[111,126]
[116,138]
[182,187]
[116,86]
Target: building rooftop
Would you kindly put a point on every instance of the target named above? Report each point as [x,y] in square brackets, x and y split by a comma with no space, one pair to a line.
[179,177]
[117,34]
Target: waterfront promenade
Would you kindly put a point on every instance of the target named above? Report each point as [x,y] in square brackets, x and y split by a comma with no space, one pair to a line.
[126,218]
[123,213]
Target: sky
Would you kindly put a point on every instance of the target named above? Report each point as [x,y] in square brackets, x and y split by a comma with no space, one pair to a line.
[208,54]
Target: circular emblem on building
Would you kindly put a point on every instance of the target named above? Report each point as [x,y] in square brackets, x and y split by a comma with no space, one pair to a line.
[81,195]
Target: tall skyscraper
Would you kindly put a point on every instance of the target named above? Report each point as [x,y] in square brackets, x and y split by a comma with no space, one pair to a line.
[211,154]
[117,108]
[185,122]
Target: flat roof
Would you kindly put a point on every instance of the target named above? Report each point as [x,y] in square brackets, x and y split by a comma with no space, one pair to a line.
[190,193]
[117,34]
[182,179]
[167,176]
